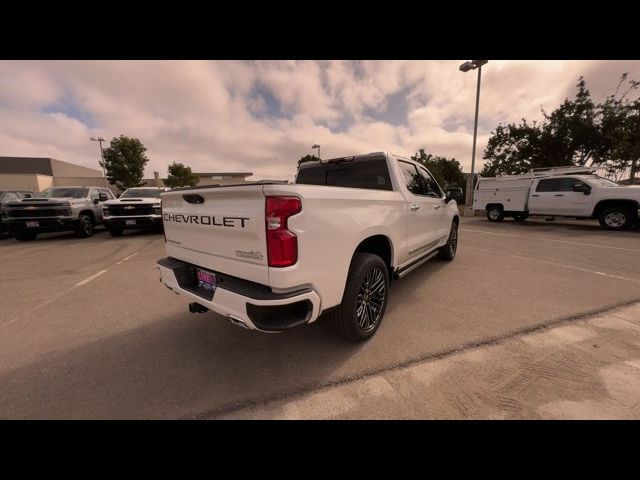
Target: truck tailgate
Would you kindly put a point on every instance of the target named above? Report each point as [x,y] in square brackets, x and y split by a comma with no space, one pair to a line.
[218,228]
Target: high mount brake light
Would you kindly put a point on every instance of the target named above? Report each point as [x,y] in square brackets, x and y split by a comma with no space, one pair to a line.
[282,244]
[333,161]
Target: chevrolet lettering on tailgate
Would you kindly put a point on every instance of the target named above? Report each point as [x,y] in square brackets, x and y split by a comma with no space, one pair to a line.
[206,220]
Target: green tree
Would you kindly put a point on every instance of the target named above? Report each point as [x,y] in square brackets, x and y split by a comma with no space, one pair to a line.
[307,158]
[620,129]
[513,149]
[124,162]
[180,176]
[446,171]
[570,135]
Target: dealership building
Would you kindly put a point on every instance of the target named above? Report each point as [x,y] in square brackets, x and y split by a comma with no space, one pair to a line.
[37,173]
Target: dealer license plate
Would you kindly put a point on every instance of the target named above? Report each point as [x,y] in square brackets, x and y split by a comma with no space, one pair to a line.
[32,224]
[206,280]
[129,222]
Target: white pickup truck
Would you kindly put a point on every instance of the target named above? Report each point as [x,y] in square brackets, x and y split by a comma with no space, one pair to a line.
[575,192]
[273,255]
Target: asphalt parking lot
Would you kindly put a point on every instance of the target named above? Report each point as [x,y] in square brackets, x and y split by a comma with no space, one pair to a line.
[87,330]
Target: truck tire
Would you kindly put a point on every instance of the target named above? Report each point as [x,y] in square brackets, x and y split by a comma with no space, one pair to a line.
[25,236]
[115,232]
[495,213]
[448,251]
[364,301]
[520,217]
[616,218]
[85,226]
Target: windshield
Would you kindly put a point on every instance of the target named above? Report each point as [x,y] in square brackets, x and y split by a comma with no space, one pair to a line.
[62,192]
[603,182]
[142,193]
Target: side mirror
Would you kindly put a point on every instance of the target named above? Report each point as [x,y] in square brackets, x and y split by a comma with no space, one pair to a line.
[102,197]
[453,194]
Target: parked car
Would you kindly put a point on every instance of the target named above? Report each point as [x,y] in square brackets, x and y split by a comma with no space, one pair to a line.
[138,207]
[77,209]
[6,196]
[574,192]
[273,255]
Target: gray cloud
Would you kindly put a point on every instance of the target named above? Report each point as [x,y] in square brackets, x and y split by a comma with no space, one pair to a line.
[263,116]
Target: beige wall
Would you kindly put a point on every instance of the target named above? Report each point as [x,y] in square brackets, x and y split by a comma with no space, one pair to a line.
[64,169]
[37,183]
[31,182]
[79,181]
[44,181]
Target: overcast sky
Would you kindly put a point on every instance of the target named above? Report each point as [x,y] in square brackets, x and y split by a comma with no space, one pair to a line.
[263,116]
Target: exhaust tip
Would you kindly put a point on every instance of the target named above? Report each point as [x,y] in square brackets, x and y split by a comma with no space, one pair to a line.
[237,321]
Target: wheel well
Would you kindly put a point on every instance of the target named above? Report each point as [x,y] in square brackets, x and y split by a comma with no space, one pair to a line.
[456,220]
[489,205]
[88,213]
[604,204]
[377,245]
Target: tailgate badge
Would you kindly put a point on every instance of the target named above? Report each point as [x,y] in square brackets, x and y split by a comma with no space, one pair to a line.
[252,255]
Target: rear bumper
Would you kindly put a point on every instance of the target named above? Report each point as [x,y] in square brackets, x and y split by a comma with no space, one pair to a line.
[250,304]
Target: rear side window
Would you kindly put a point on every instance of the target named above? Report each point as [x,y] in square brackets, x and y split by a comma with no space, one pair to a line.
[549,185]
[558,184]
[371,174]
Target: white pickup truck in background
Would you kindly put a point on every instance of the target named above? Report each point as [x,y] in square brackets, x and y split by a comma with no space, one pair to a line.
[559,192]
[273,255]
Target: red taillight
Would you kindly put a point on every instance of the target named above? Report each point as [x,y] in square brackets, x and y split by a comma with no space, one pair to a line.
[282,244]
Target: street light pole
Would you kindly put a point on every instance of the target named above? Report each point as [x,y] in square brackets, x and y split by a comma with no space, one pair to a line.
[465,67]
[469,199]
[100,140]
[315,145]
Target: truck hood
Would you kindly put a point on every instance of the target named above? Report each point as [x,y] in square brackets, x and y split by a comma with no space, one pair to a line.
[135,200]
[630,192]
[45,201]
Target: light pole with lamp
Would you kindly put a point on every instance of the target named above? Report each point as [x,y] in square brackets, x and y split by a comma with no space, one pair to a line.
[100,140]
[465,67]
[315,145]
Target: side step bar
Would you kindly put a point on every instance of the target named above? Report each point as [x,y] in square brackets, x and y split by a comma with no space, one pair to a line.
[409,268]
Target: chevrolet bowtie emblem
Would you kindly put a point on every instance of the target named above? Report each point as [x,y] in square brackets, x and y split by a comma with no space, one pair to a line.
[30,208]
[129,208]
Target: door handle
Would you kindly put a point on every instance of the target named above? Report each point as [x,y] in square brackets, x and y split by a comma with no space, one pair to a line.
[437,206]
[414,207]
[535,195]
[559,195]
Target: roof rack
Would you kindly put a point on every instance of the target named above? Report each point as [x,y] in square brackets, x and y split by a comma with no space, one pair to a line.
[552,171]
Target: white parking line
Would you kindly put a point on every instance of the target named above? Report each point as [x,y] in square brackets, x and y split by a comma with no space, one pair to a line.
[62,294]
[555,264]
[551,240]
[127,258]
[87,280]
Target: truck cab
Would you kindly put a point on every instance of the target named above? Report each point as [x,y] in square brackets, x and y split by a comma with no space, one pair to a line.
[574,192]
